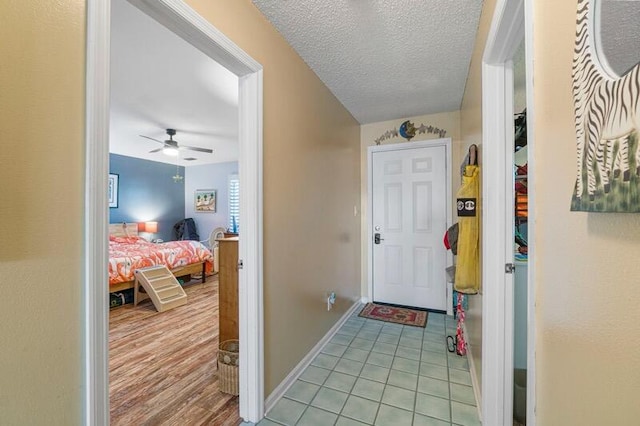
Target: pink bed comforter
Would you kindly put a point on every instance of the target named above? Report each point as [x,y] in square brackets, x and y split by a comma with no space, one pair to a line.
[126,254]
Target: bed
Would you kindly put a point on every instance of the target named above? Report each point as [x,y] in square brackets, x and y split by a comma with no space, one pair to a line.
[128,252]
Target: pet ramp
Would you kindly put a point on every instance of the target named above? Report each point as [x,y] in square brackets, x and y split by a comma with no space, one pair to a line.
[159,285]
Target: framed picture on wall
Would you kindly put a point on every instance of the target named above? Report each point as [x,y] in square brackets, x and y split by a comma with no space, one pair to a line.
[205,200]
[113,190]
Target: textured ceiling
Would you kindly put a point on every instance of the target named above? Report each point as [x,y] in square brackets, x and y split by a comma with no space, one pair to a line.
[383,59]
[159,81]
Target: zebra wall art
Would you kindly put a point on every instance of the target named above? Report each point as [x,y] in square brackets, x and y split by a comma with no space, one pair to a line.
[607,124]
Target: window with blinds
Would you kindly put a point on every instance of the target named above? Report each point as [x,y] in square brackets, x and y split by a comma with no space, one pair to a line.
[234,204]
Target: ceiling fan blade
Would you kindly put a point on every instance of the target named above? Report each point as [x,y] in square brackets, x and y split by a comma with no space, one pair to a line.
[195,148]
[156,150]
[155,140]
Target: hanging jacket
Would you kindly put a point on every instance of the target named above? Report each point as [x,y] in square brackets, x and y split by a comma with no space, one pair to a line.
[467,279]
[186,230]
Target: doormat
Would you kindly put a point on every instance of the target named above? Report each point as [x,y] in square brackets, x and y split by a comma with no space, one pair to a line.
[404,316]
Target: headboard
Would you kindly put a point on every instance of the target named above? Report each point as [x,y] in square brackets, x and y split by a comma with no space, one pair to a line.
[123,229]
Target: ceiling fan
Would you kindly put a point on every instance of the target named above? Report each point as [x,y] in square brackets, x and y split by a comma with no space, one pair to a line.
[171,147]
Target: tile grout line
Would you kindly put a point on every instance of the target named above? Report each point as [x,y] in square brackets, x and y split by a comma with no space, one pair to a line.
[448,377]
[415,401]
[385,383]
[396,354]
[351,390]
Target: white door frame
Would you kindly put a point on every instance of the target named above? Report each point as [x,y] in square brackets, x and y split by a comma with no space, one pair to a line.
[446,142]
[512,21]
[187,24]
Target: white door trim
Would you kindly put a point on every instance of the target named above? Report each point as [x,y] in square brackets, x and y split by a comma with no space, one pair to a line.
[96,217]
[446,142]
[186,23]
[512,20]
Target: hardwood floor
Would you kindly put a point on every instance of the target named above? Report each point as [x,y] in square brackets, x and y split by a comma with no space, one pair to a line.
[163,366]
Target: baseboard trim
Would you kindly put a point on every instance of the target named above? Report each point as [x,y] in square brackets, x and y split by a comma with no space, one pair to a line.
[474,378]
[282,388]
[364,300]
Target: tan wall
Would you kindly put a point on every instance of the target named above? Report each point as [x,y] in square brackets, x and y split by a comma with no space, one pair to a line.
[41,170]
[471,132]
[588,320]
[311,185]
[449,121]
[519,80]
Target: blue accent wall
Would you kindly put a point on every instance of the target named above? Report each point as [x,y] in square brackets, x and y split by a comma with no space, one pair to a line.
[147,192]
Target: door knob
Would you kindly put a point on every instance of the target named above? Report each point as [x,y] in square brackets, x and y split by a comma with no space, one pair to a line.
[376,238]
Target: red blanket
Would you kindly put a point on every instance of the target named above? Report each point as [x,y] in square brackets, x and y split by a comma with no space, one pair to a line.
[126,254]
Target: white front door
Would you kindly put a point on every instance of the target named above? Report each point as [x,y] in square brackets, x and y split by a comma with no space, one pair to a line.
[409,219]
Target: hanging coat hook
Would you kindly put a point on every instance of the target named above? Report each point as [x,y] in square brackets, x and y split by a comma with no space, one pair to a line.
[473,155]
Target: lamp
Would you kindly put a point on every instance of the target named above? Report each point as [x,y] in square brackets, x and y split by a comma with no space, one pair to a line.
[151,227]
[177,178]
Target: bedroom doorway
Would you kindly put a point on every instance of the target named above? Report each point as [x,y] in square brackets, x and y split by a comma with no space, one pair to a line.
[176,16]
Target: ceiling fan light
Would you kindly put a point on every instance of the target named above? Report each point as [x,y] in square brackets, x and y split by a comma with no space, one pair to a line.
[168,150]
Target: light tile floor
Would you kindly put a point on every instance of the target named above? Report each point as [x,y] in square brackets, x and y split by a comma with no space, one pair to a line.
[378,373]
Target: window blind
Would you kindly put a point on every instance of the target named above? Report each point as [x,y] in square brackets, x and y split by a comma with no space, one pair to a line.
[234,204]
